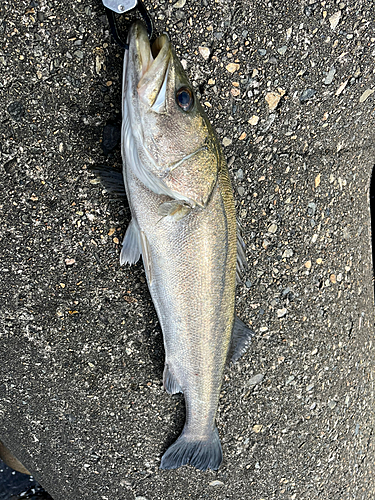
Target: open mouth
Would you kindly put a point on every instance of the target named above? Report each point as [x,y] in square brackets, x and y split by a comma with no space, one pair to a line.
[153,68]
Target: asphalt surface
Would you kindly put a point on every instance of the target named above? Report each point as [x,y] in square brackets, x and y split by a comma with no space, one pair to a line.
[289,87]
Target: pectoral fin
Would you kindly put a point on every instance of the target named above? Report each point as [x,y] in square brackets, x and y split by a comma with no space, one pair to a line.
[175,209]
[241,339]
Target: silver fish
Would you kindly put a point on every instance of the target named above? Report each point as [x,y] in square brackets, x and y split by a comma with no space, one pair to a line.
[184,226]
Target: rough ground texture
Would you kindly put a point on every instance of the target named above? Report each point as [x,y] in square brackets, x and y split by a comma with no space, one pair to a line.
[288,86]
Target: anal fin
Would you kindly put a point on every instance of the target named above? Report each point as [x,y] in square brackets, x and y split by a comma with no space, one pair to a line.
[131,246]
[241,339]
[169,381]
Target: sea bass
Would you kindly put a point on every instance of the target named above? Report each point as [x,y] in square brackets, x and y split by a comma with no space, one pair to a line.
[184,226]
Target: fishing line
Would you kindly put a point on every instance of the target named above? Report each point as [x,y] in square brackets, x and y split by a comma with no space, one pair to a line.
[112,7]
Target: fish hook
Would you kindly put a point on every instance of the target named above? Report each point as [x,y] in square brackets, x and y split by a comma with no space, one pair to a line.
[112,6]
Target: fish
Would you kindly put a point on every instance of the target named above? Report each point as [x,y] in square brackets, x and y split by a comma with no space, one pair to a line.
[183,224]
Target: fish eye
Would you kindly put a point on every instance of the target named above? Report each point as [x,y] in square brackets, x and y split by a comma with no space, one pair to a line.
[184,98]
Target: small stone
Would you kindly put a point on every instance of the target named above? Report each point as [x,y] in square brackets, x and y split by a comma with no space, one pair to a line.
[366,94]
[332,278]
[329,78]
[257,428]
[204,52]
[241,190]
[257,379]
[287,253]
[272,229]
[266,244]
[272,99]
[235,92]
[332,404]
[282,50]
[254,120]
[232,67]
[317,180]
[239,174]
[211,82]
[311,208]
[227,141]
[216,483]
[262,52]
[78,54]
[307,94]
[263,329]
[16,110]
[335,19]
[341,88]
[289,379]
[69,262]
[179,4]
[319,260]
[242,136]
[308,264]
[281,312]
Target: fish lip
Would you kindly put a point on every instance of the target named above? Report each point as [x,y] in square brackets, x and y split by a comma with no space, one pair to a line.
[151,60]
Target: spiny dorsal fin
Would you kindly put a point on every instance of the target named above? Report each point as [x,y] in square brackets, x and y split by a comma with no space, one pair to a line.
[242,264]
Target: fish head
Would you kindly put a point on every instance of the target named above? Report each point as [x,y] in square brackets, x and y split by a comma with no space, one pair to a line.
[177,147]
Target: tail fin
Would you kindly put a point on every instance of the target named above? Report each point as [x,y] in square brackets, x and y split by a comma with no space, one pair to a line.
[202,454]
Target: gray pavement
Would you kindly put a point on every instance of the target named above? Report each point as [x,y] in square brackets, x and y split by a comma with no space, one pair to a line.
[289,87]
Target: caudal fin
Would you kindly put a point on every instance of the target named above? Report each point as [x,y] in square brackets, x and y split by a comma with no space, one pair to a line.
[202,454]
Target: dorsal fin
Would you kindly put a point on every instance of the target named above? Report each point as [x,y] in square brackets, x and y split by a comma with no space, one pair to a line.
[241,339]
[242,264]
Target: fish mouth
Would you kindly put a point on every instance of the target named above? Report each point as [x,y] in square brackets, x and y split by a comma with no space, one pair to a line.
[152,63]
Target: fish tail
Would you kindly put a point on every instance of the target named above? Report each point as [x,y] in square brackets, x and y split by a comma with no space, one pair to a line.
[201,453]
